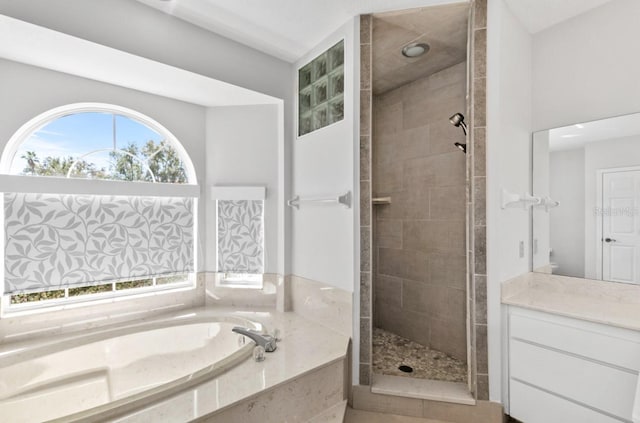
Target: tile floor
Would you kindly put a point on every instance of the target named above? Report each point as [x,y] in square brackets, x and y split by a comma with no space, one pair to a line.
[390,351]
[359,416]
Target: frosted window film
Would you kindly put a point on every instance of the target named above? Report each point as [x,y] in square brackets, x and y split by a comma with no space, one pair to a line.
[56,241]
[241,236]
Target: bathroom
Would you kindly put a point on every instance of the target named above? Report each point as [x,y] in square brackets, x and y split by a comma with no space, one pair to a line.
[342,241]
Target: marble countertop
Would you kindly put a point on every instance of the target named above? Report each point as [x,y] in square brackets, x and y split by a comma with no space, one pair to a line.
[608,303]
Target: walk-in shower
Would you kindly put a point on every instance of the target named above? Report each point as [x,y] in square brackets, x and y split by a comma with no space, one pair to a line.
[419,237]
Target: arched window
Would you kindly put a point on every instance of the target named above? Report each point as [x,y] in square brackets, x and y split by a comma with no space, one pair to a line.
[97,142]
[99,229]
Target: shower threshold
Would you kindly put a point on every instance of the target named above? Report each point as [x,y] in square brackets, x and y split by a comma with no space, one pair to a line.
[435,390]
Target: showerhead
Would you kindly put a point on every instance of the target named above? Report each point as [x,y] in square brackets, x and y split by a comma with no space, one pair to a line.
[458,120]
[462,147]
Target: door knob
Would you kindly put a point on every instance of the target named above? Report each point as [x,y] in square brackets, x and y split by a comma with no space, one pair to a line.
[609,240]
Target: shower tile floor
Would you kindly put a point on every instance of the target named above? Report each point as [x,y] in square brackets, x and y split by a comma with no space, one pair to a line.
[390,351]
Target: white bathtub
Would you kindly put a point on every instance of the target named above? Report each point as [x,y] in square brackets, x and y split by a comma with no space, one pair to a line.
[90,376]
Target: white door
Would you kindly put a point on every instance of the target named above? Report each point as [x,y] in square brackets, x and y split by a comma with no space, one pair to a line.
[621,226]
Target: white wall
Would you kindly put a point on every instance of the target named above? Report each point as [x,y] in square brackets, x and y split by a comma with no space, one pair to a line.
[324,236]
[567,222]
[582,71]
[325,239]
[508,158]
[28,91]
[587,68]
[133,27]
[606,154]
[576,71]
[242,150]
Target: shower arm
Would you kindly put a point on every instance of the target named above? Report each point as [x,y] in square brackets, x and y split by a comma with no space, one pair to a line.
[464,128]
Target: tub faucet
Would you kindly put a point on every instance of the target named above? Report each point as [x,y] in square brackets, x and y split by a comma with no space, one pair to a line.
[267,342]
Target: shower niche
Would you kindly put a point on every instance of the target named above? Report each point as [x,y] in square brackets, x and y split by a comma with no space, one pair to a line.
[419,240]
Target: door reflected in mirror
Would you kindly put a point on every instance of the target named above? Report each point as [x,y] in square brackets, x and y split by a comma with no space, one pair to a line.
[590,172]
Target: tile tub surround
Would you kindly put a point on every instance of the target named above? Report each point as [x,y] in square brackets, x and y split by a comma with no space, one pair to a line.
[303,399]
[419,239]
[322,304]
[609,303]
[305,348]
[221,296]
[100,313]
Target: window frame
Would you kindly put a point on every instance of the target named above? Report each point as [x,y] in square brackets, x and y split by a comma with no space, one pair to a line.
[310,62]
[43,119]
[55,185]
[56,304]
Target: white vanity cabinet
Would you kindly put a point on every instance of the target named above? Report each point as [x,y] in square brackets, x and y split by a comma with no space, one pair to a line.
[567,370]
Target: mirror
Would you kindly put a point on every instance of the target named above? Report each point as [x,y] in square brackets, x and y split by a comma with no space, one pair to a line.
[588,222]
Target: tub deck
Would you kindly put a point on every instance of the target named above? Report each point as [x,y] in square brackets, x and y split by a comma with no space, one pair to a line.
[304,348]
[108,369]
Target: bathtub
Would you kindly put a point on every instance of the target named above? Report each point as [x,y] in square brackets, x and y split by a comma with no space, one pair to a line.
[91,376]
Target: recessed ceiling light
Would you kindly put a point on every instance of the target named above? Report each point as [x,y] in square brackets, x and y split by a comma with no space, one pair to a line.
[415,49]
[579,125]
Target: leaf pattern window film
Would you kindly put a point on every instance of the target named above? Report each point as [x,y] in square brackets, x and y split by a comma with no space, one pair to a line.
[54,241]
[241,236]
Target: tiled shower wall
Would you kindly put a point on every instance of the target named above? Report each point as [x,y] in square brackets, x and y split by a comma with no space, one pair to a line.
[476,217]
[366,96]
[419,239]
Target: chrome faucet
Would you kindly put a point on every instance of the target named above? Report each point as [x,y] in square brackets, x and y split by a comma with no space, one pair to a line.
[267,342]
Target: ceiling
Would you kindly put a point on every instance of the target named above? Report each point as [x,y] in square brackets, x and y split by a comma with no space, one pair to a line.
[577,136]
[537,15]
[289,29]
[34,45]
[443,28]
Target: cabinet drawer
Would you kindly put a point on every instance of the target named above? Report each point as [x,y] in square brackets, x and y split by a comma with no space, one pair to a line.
[610,345]
[609,389]
[532,405]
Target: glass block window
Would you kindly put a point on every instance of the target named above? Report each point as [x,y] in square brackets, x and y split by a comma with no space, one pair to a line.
[321,90]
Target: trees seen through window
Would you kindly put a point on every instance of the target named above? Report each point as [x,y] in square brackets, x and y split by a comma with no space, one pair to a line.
[122,149]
